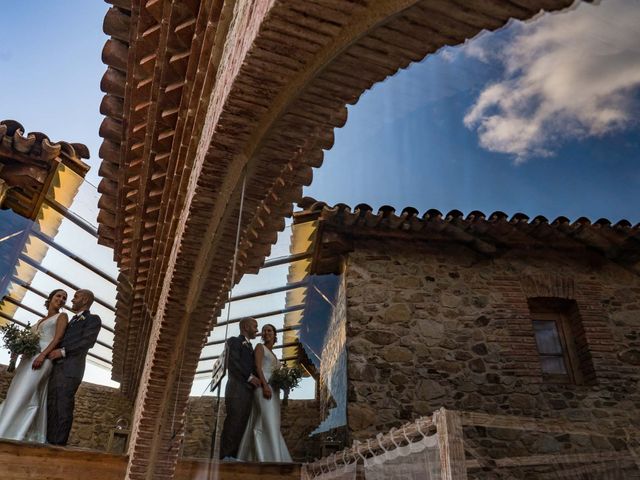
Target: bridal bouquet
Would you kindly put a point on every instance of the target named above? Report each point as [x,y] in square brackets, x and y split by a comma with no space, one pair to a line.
[19,341]
[285,378]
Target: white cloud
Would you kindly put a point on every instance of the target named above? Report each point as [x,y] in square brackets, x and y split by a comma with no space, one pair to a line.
[568,75]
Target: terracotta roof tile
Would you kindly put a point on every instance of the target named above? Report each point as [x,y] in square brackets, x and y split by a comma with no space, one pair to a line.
[619,242]
[37,147]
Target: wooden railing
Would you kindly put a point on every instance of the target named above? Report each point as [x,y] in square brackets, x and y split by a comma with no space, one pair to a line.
[448,426]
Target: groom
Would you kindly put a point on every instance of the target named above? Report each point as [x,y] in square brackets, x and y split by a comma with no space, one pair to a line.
[238,394]
[68,366]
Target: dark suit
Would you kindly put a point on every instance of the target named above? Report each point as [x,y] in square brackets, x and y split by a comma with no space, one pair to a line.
[67,373]
[238,394]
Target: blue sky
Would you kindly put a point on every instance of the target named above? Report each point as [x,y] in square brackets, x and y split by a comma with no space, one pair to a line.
[50,70]
[406,142]
[541,147]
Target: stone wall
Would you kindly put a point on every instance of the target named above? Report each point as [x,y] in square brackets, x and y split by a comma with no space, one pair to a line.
[432,326]
[97,410]
[5,380]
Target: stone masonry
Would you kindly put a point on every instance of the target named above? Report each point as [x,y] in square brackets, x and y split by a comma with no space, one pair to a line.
[433,325]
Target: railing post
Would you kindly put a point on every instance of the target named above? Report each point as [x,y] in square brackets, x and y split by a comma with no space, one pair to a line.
[451,443]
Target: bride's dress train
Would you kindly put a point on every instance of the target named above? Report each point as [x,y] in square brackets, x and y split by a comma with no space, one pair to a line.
[23,414]
[262,440]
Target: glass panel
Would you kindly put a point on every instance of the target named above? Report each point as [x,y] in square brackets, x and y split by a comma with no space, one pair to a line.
[102,351]
[282,245]
[553,365]
[313,335]
[547,337]
[52,252]
[13,232]
[557,93]
[265,278]
[253,306]
[83,244]
[75,193]
[77,274]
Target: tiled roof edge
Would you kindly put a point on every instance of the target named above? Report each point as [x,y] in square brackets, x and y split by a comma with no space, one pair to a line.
[310,205]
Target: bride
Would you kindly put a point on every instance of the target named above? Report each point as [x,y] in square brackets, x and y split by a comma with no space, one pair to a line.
[23,414]
[262,440]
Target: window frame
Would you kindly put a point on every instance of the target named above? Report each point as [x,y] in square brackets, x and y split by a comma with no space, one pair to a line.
[568,354]
[564,313]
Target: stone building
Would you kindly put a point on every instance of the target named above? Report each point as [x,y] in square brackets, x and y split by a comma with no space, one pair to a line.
[487,314]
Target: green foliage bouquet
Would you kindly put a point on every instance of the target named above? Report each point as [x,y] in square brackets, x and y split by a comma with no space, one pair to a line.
[19,341]
[285,378]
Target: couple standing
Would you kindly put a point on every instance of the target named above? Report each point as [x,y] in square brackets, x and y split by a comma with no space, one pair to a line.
[251,430]
[40,400]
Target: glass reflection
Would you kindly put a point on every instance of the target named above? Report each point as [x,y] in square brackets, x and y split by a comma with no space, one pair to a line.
[46,243]
[58,249]
[309,315]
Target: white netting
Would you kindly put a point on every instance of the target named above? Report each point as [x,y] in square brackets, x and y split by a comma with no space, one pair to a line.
[339,472]
[418,460]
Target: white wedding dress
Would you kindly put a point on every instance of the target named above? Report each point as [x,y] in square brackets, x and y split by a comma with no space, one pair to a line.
[23,414]
[262,440]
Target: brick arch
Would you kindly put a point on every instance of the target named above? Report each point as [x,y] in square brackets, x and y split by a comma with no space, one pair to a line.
[285,71]
[373,42]
[548,285]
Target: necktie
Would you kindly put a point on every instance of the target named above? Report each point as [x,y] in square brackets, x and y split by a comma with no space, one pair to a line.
[73,319]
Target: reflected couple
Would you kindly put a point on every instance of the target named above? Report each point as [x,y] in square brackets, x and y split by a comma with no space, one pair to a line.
[40,400]
[251,430]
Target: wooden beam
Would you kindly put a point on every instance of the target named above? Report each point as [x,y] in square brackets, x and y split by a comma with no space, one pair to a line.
[554,459]
[451,442]
[115,54]
[549,425]
[116,24]
[26,461]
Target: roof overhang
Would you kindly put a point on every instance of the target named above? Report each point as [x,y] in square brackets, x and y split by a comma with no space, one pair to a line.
[340,228]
